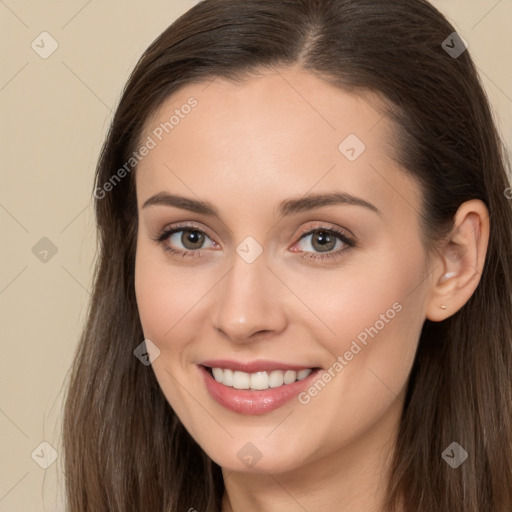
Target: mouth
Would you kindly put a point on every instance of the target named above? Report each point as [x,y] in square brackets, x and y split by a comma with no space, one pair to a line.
[257,381]
[255,392]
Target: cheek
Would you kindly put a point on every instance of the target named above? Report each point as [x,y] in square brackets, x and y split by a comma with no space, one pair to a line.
[373,311]
[165,300]
[377,319]
[161,294]
[153,297]
[364,295]
[170,298]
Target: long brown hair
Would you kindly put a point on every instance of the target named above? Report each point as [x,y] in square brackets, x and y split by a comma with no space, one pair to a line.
[124,448]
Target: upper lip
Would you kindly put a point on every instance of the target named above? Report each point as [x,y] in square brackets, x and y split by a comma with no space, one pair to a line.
[259,365]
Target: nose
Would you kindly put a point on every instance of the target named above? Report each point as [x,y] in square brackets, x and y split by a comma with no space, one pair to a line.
[251,302]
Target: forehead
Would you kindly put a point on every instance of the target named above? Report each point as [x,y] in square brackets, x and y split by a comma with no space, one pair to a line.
[286,103]
[280,131]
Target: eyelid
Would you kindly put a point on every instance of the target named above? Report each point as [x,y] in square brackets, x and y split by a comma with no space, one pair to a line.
[348,240]
[324,225]
[168,230]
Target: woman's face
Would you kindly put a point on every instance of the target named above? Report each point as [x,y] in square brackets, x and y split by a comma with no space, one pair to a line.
[266,283]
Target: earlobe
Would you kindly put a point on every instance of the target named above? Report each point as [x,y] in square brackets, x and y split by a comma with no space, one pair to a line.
[460,261]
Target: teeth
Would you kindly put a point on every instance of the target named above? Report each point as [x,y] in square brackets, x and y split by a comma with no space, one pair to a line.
[258,380]
[241,380]
[227,377]
[290,376]
[276,379]
[217,374]
[302,374]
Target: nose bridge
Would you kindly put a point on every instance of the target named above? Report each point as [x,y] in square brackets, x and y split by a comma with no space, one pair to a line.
[248,301]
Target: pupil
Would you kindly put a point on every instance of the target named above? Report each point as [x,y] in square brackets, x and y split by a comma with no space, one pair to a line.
[324,239]
[192,237]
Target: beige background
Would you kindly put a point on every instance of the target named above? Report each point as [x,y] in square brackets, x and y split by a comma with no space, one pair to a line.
[55,113]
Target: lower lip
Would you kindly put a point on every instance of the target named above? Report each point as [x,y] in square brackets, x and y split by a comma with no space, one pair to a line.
[250,401]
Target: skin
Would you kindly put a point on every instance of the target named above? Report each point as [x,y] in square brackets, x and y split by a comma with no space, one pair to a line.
[244,148]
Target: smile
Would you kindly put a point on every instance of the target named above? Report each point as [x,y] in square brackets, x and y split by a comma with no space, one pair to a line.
[258,380]
[262,388]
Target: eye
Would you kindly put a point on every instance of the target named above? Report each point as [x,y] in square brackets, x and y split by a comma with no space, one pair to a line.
[324,240]
[190,238]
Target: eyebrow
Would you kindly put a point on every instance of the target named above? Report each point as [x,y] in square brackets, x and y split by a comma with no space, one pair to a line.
[285,208]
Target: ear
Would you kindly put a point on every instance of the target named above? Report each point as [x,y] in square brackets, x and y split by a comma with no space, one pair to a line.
[460,261]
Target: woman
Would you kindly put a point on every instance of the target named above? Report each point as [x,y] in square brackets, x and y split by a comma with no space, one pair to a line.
[303,294]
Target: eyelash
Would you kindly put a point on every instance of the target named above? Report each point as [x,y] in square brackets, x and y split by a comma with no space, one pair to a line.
[166,233]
